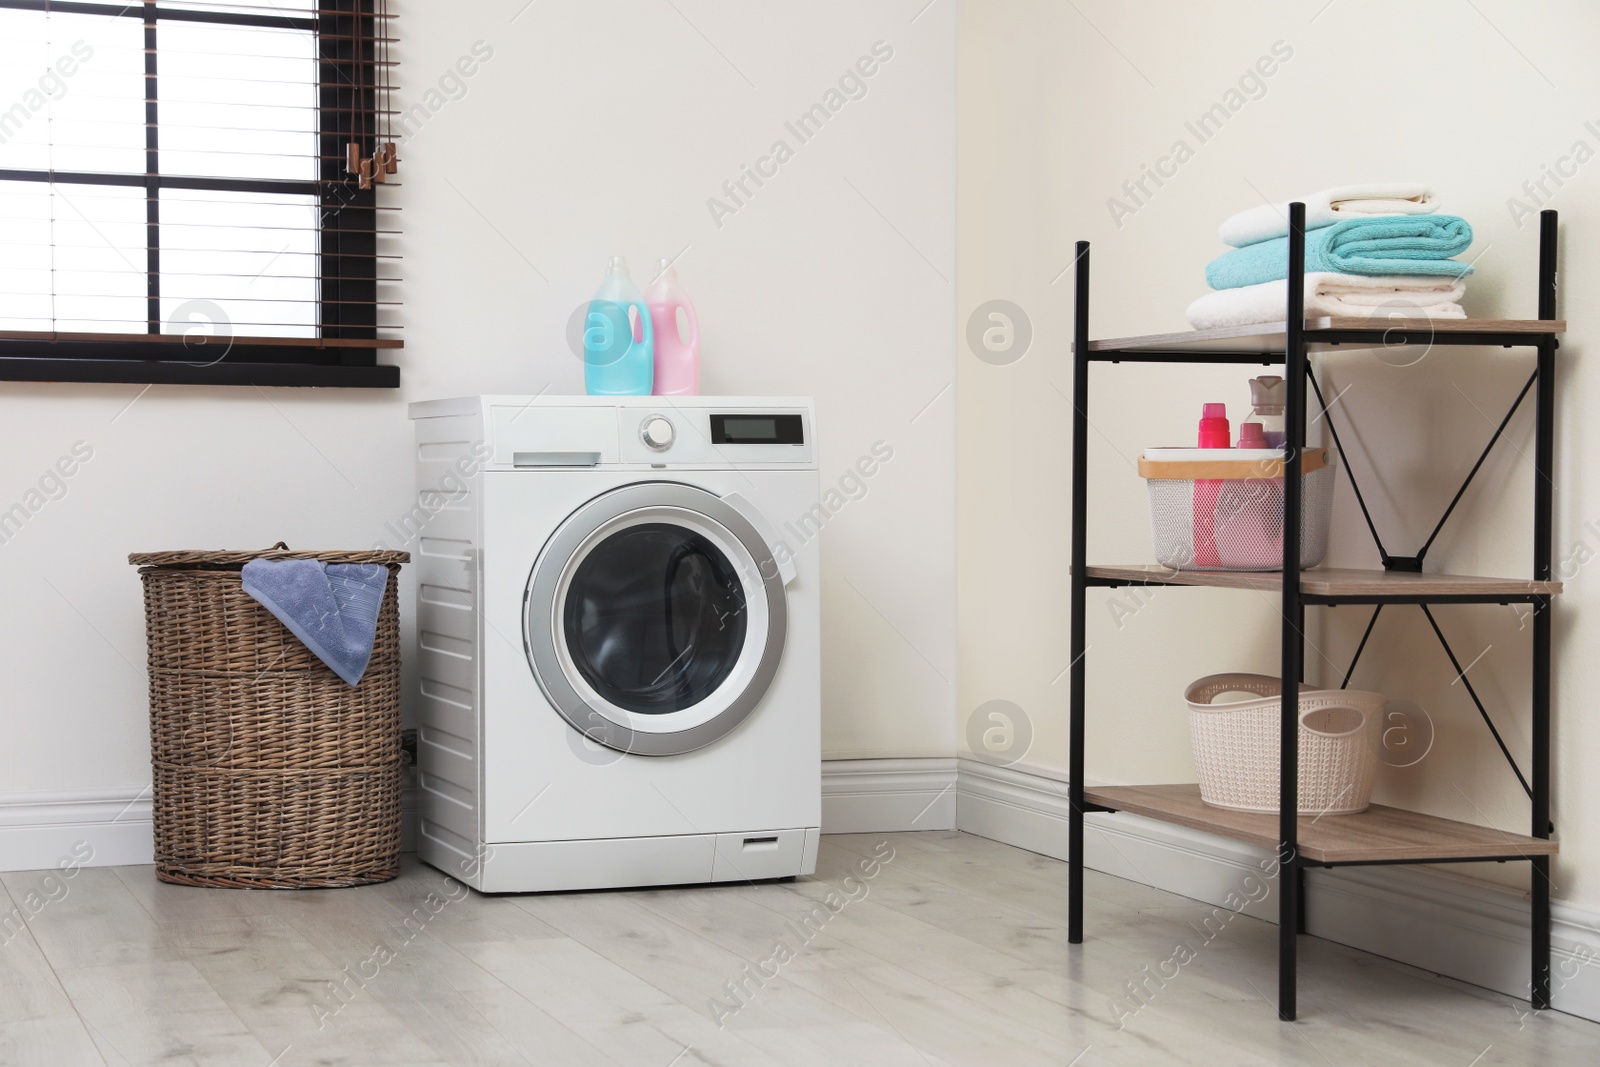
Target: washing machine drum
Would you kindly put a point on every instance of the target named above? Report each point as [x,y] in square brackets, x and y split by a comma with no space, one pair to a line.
[655,618]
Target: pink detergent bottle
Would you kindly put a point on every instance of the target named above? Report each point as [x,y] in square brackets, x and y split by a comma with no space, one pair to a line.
[677,357]
[1214,433]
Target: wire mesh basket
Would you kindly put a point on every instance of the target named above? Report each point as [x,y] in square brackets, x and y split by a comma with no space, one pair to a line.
[1236,751]
[268,771]
[1222,509]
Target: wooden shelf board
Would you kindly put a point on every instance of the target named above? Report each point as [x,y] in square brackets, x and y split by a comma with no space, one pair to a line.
[1333,581]
[1379,834]
[1267,337]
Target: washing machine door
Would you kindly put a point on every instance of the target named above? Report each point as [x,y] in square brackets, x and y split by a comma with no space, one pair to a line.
[655,617]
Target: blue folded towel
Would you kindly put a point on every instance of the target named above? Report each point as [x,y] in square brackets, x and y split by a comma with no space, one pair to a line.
[1384,244]
[331,607]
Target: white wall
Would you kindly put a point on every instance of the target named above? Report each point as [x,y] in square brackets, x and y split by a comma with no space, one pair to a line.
[596,128]
[1059,105]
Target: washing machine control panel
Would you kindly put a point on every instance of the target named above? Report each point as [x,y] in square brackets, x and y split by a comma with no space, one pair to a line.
[657,433]
[689,433]
[706,436]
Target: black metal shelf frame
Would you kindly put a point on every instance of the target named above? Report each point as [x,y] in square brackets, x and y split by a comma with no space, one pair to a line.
[1298,373]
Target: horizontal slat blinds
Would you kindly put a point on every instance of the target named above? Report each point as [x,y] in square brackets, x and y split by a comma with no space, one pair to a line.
[164,165]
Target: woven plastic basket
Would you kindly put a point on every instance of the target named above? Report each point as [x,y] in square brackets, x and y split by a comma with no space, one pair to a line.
[268,771]
[1236,745]
[1222,509]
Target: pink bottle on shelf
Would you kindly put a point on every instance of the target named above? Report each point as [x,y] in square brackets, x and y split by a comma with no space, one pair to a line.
[1214,433]
[677,357]
[1251,435]
[1214,429]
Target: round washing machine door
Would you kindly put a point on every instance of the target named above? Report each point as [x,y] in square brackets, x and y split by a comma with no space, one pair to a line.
[655,618]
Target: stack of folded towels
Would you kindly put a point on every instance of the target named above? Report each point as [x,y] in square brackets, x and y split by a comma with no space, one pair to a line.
[1371,250]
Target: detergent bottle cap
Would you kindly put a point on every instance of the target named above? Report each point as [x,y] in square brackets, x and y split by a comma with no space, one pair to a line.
[1267,394]
[1251,435]
[1214,426]
[619,265]
[666,277]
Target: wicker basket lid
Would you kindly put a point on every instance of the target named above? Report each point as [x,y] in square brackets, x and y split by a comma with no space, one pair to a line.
[194,558]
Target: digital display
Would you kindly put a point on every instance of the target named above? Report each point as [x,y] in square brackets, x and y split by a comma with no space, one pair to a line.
[757,430]
[749,429]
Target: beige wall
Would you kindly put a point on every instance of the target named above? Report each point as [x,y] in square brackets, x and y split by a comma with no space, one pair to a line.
[1058,106]
[595,128]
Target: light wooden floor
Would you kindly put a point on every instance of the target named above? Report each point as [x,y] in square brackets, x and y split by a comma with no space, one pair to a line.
[953,953]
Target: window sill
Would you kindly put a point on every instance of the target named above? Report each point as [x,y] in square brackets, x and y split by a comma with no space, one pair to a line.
[247,361]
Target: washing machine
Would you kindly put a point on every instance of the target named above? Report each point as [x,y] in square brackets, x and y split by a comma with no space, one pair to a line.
[617,651]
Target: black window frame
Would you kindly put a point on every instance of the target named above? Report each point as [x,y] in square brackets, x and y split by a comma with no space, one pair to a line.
[345,350]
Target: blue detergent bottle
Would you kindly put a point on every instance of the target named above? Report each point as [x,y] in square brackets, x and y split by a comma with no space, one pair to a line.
[618,344]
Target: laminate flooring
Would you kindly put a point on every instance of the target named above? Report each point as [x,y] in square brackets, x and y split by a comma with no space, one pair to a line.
[913,949]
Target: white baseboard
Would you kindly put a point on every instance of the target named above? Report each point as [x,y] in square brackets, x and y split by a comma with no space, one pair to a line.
[1429,918]
[40,830]
[870,796]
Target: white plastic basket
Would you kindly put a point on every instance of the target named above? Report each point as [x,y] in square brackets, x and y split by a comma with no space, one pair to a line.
[1236,745]
[1222,509]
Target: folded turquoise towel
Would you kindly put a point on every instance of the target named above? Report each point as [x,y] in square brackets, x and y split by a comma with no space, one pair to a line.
[1384,244]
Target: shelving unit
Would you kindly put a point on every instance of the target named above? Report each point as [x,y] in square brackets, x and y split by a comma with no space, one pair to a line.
[1380,835]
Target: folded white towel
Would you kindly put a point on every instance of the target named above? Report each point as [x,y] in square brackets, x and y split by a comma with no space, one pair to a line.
[1379,295]
[1266,221]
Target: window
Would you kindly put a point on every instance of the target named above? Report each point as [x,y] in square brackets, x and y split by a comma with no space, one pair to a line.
[189,192]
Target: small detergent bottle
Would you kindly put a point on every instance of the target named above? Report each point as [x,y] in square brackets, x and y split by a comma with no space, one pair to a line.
[1214,433]
[1268,395]
[677,357]
[618,341]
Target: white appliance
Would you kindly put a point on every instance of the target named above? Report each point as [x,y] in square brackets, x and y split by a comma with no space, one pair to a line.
[617,640]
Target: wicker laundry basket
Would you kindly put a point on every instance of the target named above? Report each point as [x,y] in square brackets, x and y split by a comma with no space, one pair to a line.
[1236,745]
[268,770]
